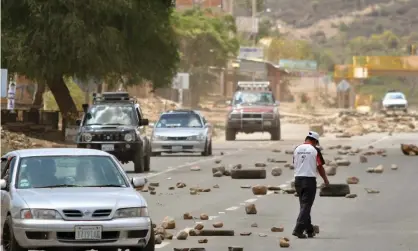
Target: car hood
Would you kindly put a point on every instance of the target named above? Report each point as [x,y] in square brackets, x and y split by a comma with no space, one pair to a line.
[94,197]
[395,102]
[107,128]
[178,132]
[254,108]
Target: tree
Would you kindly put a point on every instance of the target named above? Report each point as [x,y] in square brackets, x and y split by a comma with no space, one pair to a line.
[49,40]
[206,40]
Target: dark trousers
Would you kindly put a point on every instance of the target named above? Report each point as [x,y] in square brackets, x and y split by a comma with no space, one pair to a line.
[306,189]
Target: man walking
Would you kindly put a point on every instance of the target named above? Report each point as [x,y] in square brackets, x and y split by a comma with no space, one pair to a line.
[307,160]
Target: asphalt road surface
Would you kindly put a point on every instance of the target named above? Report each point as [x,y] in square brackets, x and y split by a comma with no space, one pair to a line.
[386,221]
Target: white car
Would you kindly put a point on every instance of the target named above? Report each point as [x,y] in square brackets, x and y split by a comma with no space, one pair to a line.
[56,198]
[395,101]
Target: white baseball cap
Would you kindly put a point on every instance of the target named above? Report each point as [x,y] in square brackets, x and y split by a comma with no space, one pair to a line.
[313,135]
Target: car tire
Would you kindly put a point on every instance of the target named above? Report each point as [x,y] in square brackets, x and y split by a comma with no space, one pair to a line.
[7,234]
[206,152]
[139,161]
[230,134]
[150,245]
[210,148]
[147,162]
[276,133]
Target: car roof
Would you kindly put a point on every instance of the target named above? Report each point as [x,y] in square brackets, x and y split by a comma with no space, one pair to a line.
[182,111]
[395,93]
[59,151]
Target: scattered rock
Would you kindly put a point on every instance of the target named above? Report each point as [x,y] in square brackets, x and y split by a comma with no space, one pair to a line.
[288,152]
[235,249]
[204,217]
[182,235]
[154,184]
[378,169]
[195,168]
[216,186]
[245,186]
[153,192]
[254,225]
[277,229]
[181,185]
[253,173]
[363,159]
[409,149]
[276,150]
[259,190]
[218,174]
[394,167]
[284,243]
[194,232]
[171,188]
[217,232]
[262,235]
[343,162]
[260,165]
[217,161]
[168,223]
[168,236]
[250,209]
[274,188]
[202,241]
[187,216]
[331,170]
[351,196]
[276,171]
[218,224]
[369,190]
[199,226]
[158,239]
[352,180]
[245,234]
[335,190]
[316,229]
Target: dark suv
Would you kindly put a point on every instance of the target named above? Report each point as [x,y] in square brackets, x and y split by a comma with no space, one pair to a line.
[114,123]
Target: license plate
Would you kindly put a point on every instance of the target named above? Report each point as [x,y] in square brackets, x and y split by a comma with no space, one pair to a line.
[176,148]
[88,232]
[108,147]
[252,122]
[267,123]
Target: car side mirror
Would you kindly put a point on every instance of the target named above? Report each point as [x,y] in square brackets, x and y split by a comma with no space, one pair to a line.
[3,184]
[78,122]
[228,102]
[85,107]
[143,122]
[138,182]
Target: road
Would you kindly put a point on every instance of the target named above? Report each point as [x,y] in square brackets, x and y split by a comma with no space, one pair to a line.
[384,221]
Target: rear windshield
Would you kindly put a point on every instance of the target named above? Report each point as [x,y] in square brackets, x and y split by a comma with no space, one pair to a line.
[184,120]
[395,96]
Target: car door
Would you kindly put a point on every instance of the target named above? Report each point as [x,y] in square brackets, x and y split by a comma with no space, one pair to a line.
[6,174]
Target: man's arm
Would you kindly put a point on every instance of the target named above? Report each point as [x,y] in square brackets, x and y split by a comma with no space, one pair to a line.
[320,166]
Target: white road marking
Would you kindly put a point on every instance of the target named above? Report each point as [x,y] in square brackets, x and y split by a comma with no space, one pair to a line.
[213,217]
[375,142]
[163,244]
[251,200]
[231,208]
[221,212]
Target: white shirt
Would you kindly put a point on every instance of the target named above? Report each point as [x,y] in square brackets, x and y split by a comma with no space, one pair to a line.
[306,159]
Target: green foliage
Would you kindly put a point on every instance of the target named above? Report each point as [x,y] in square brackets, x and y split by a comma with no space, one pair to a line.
[205,40]
[76,93]
[108,39]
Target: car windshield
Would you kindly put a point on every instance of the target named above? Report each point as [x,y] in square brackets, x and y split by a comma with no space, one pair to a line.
[395,96]
[253,98]
[69,171]
[179,120]
[110,115]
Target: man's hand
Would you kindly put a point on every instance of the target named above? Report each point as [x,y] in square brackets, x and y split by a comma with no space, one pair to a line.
[326,182]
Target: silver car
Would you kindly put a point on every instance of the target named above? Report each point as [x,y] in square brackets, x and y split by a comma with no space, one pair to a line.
[182,131]
[67,197]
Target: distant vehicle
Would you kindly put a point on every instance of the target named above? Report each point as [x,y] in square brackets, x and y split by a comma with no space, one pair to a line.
[182,131]
[59,198]
[253,109]
[394,100]
[116,124]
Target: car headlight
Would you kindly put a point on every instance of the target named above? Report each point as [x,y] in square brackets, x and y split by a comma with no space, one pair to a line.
[132,212]
[129,137]
[42,214]
[196,137]
[87,137]
[157,137]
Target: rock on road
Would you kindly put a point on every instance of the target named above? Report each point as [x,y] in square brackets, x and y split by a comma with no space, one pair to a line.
[384,221]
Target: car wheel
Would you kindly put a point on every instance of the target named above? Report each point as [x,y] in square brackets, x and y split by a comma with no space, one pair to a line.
[8,240]
[206,152]
[276,133]
[147,162]
[139,161]
[210,148]
[150,245]
[230,134]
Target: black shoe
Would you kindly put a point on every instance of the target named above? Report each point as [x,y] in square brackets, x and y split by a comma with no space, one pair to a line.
[299,235]
[311,235]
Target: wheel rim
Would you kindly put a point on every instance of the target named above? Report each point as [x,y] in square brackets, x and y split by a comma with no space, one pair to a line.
[6,239]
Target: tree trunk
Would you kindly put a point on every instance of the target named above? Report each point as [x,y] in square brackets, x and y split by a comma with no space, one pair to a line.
[63,98]
[38,99]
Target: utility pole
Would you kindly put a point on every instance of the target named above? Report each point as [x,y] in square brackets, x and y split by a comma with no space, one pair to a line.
[254,24]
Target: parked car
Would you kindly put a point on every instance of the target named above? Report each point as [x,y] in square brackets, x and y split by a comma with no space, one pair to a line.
[71,198]
[182,131]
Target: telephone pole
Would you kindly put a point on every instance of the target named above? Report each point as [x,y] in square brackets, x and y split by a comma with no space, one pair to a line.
[254,20]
